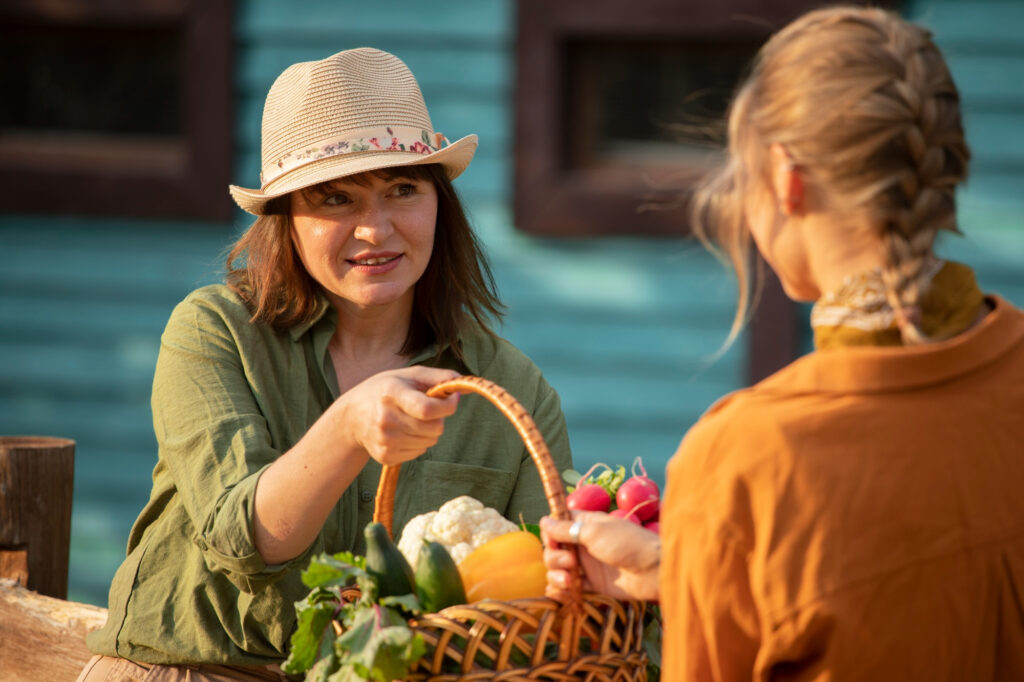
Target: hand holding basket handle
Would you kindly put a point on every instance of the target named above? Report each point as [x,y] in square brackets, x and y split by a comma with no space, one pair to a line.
[527,429]
[585,636]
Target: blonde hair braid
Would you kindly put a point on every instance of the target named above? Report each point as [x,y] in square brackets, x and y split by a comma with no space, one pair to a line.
[921,200]
[865,104]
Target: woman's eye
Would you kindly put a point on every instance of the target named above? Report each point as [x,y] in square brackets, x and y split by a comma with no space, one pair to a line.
[336,199]
[405,189]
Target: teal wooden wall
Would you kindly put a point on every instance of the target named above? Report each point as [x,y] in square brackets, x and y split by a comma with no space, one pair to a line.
[82,305]
[984,46]
[623,328]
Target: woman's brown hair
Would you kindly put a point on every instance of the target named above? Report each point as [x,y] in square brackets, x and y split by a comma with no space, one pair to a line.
[456,287]
[864,103]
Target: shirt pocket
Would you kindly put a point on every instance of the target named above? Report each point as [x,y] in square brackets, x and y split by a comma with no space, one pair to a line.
[425,485]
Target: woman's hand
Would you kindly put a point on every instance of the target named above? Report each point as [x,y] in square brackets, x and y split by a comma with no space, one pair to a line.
[390,416]
[619,558]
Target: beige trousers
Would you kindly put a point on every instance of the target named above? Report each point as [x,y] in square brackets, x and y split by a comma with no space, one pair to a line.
[109,669]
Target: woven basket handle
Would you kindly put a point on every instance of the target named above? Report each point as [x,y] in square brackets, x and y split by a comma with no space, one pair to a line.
[384,505]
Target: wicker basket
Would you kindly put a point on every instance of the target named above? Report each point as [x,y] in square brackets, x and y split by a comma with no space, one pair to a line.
[589,637]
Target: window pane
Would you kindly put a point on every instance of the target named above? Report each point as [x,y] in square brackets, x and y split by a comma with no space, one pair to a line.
[91,80]
[649,103]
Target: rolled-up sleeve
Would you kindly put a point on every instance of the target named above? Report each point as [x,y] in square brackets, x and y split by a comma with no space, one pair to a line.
[213,440]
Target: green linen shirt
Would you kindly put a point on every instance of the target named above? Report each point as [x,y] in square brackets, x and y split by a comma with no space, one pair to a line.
[229,397]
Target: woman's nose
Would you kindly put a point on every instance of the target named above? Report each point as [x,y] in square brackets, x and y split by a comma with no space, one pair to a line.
[374,224]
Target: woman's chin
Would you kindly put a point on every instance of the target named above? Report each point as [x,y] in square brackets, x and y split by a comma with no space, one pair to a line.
[799,292]
[378,297]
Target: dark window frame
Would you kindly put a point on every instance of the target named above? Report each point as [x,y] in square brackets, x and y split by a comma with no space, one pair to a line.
[551,201]
[194,188]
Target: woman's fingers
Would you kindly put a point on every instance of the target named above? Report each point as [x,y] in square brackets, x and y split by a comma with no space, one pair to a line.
[554,531]
[403,438]
[562,568]
[558,585]
[427,377]
[560,559]
[399,421]
[411,400]
[406,390]
[559,531]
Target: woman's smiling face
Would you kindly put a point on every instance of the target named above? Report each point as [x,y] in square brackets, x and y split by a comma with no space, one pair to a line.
[366,239]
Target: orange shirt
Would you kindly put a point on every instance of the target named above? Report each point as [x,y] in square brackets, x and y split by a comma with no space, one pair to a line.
[857,516]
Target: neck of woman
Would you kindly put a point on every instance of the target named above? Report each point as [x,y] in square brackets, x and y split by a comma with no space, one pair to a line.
[840,250]
[368,341]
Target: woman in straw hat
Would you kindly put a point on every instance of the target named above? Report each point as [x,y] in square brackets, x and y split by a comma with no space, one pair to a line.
[858,515]
[278,397]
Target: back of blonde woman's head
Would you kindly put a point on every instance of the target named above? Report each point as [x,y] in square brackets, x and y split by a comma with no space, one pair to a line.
[865,105]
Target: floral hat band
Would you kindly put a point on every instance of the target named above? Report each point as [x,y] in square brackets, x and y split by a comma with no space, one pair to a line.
[384,139]
[357,111]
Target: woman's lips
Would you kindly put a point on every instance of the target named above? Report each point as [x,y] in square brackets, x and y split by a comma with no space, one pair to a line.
[377,264]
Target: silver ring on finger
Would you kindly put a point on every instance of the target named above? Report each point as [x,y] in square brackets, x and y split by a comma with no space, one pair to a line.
[574,531]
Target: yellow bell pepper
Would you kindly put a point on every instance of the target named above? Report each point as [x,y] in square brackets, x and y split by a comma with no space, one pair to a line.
[510,566]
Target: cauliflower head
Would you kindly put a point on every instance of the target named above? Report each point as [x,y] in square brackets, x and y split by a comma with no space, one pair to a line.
[461,524]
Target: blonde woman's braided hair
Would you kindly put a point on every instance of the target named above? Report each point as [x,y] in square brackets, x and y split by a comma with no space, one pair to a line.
[865,104]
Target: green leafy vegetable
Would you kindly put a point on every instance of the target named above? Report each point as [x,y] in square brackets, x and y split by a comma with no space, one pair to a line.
[379,645]
[610,479]
[376,642]
[314,638]
[332,571]
[652,642]
[531,528]
[323,669]
[571,476]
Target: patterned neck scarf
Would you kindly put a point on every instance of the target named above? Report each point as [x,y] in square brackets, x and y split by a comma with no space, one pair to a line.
[858,313]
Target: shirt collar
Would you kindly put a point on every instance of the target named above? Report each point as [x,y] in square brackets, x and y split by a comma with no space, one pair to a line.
[470,363]
[326,317]
[323,309]
[877,369]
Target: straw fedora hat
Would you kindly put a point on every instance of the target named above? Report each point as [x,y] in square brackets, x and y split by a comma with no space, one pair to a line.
[356,111]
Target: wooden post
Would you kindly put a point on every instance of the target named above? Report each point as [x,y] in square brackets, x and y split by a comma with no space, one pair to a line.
[36,483]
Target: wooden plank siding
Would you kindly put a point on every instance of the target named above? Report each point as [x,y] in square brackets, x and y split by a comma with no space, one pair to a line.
[82,306]
[623,328]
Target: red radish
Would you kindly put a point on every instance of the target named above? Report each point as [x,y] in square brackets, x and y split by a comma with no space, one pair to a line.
[642,510]
[639,493]
[626,514]
[653,525]
[589,497]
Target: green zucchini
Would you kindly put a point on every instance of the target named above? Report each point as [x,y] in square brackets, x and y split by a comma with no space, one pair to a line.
[386,564]
[438,582]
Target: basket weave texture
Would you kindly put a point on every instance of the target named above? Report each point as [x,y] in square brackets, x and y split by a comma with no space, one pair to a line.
[589,637]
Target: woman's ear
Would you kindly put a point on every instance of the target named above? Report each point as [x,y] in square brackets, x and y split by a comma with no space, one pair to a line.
[787,181]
